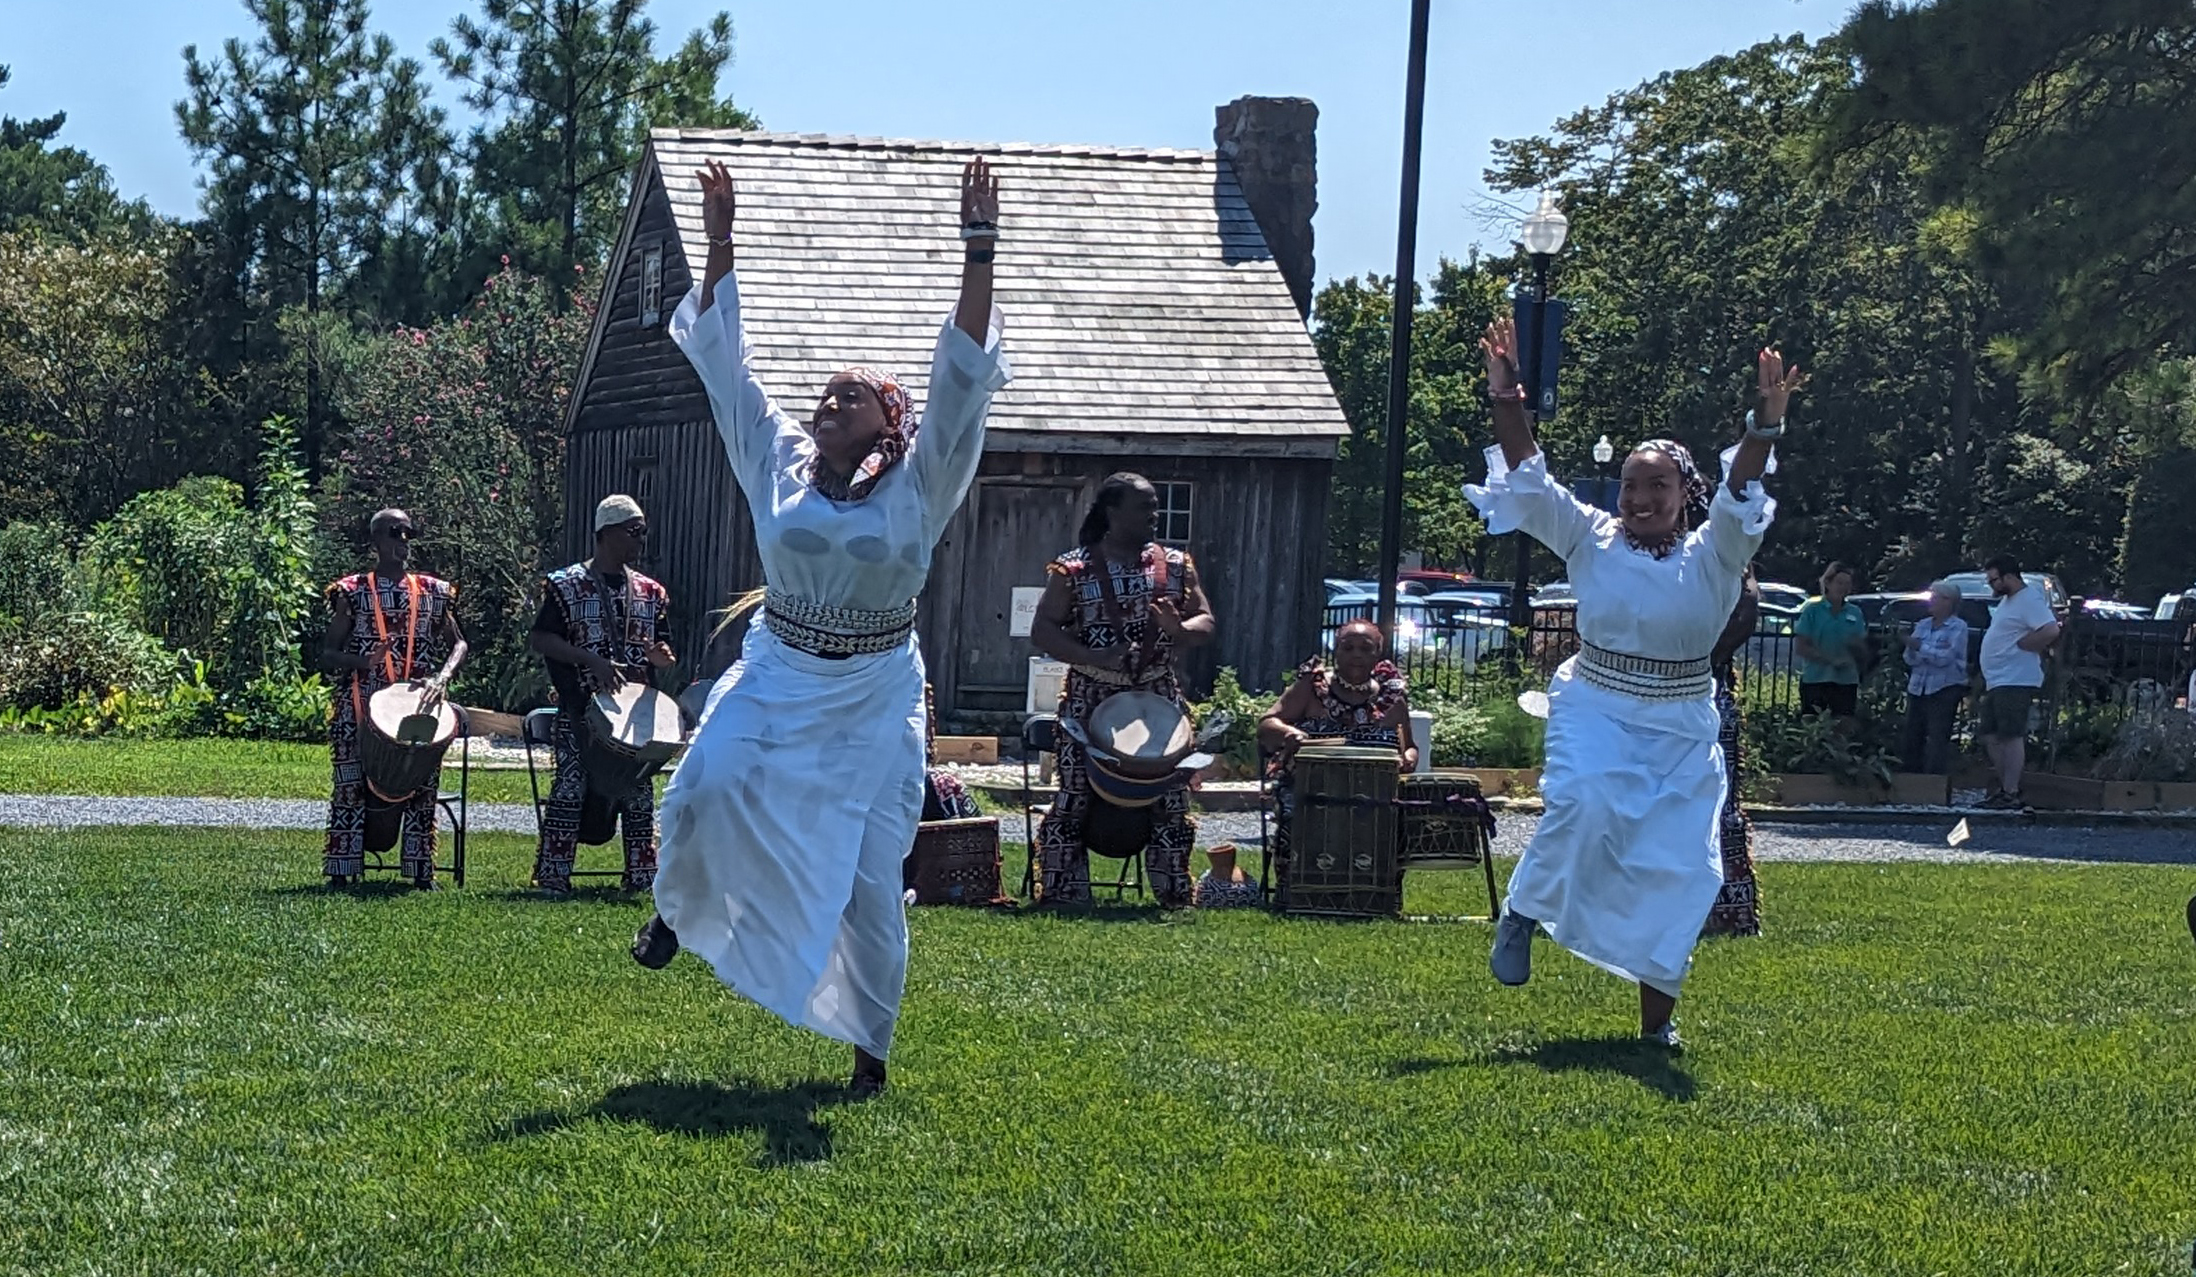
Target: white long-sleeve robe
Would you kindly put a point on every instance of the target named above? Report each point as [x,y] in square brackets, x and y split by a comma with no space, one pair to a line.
[785,824]
[1628,857]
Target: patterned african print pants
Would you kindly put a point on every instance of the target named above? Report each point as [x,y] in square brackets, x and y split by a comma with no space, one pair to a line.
[561,820]
[345,856]
[1737,911]
[1061,852]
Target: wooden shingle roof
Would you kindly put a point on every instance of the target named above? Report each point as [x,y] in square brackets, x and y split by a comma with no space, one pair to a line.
[1141,301]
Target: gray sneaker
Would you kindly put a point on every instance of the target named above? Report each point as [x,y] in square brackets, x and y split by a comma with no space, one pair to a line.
[1512,959]
[1665,1037]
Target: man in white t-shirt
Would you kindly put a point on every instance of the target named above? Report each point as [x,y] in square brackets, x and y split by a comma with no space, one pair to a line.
[2022,629]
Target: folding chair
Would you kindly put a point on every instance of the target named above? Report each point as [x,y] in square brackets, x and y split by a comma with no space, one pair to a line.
[1041,735]
[598,818]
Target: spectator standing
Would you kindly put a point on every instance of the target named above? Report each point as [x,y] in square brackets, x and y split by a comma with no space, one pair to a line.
[1936,656]
[1831,637]
[2022,628]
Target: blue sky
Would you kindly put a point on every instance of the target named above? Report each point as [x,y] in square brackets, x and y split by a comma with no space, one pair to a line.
[1123,72]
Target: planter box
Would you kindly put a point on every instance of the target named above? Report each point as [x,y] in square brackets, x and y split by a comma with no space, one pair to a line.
[1495,782]
[2177,795]
[1907,789]
[2062,793]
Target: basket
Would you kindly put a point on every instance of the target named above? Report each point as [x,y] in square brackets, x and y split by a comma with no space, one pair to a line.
[1342,835]
[956,862]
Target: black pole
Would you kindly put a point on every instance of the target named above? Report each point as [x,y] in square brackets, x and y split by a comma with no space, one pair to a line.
[1521,604]
[1399,349]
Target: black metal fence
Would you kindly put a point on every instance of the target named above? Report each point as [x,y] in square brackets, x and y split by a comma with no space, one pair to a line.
[2103,671]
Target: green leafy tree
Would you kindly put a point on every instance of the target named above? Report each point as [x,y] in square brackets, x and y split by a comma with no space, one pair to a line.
[1351,329]
[2062,129]
[1703,228]
[319,147]
[570,89]
[57,189]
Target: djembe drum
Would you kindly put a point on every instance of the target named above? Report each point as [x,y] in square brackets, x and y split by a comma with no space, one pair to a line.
[1343,834]
[400,750]
[631,734]
[1446,824]
[1139,748]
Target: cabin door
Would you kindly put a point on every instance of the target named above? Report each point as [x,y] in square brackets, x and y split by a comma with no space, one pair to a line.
[1021,523]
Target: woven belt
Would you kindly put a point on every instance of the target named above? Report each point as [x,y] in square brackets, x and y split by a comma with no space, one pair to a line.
[824,630]
[1644,679]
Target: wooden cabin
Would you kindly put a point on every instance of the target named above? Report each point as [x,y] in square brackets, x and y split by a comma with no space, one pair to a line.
[1155,305]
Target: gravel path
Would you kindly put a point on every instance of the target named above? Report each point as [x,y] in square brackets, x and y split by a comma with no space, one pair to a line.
[1995,842]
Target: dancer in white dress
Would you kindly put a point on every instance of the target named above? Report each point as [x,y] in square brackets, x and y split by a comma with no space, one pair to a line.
[786,822]
[1627,859]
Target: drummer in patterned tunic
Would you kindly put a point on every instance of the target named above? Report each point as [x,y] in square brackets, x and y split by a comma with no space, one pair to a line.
[601,625]
[1363,701]
[1115,609]
[387,626]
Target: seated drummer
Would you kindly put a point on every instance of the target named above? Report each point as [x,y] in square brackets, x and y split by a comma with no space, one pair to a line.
[1362,702]
[601,625]
[385,626]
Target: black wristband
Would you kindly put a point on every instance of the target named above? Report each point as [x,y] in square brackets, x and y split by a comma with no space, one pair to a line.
[980,256]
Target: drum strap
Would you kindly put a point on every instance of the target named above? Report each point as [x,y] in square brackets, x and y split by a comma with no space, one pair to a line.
[381,630]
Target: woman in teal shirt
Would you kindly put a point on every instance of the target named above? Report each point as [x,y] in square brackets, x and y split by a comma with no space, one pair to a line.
[1831,638]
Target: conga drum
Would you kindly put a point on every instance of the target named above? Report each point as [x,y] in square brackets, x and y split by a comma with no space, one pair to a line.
[632,734]
[400,749]
[1342,837]
[1444,821]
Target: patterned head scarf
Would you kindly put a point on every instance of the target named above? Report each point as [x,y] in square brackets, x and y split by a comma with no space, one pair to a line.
[891,445]
[1695,485]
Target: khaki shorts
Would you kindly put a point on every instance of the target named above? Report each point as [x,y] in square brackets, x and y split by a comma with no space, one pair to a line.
[2004,712]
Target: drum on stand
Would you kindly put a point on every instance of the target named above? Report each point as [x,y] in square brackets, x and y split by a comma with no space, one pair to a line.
[1343,834]
[631,734]
[400,750]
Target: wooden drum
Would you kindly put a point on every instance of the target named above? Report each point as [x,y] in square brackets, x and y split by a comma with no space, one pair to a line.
[400,746]
[1444,821]
[400,751]
[1342,837]
[632,734]
[956,862]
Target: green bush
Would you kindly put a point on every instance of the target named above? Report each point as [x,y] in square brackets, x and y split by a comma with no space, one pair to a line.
[1239,745]
[39,575]
[68,657]
[1480,724]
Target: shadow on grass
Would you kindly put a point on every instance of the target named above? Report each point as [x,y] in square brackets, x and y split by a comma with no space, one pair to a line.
[376,888]
[1650,1066]
[784,1115]
[605,894]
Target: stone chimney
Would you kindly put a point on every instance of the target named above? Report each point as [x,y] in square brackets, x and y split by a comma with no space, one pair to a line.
[1271,145]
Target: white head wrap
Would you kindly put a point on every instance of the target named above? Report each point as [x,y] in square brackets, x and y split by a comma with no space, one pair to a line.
[616,509]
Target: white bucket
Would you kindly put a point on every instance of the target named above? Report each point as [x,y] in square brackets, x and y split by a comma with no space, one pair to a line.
[1422,735]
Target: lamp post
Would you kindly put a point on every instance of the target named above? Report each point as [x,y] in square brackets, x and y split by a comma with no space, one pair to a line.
[1604,453]
[1542,237]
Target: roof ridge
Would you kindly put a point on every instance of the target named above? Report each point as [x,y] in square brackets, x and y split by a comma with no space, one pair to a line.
[853,142]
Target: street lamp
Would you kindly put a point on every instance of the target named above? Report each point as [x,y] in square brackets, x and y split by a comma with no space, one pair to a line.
[1399,347]
[1543,236]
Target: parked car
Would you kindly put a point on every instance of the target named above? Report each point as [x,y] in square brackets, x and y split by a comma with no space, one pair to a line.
[2176,606]
[1339,586]
[2113,610]
[1555,594]
[1975,585]
[1782,598]
[1456,631]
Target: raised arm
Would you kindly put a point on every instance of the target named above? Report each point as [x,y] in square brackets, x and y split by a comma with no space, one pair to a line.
[1513,424]
[967,368]
[1775,385]
[1519,495]
[757,439]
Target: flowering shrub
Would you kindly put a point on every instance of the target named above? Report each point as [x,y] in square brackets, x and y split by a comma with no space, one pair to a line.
[461,424]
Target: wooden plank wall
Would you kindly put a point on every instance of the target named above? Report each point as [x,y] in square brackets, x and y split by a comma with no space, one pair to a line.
[1258,533]
[640,377]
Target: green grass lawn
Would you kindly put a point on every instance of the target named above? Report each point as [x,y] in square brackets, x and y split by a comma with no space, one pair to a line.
[214,1065]
[214,768]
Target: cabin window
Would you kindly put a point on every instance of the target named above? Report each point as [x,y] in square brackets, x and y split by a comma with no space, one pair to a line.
[651,289]
[1174,513]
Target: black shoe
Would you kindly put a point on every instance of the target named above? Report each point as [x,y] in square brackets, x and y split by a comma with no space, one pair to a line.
[869,1076]
[655,944]
[2192,916]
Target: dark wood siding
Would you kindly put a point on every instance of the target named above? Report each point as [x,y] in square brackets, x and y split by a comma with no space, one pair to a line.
[1258,534]
[701,540]
[640,377]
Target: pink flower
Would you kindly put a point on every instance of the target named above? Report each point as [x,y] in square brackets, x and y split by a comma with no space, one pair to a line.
[507,259]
